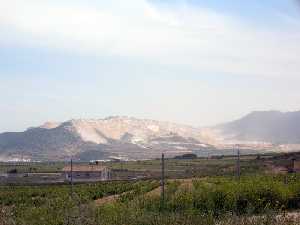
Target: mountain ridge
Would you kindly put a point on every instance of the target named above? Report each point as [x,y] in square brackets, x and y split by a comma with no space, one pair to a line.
[134,138]
[110,136]
[270,126]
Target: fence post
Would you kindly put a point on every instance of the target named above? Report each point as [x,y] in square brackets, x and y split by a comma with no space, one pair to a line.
[72,178]
[238,164]
[162,179]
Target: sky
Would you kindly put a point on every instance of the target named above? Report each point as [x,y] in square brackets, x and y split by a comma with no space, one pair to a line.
[195,62]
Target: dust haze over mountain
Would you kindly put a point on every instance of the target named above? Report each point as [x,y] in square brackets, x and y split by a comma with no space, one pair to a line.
[132,138]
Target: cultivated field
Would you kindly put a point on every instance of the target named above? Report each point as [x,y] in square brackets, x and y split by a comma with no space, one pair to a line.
[199,191]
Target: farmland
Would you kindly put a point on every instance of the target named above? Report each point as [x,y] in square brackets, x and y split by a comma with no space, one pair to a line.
[186,202]
[209,201]
[198,191]
[174,168]
[56,204]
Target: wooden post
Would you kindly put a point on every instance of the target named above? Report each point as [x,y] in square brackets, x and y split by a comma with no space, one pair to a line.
[238,165]
[285,180]
[162,179]
[71,177]
[293,165]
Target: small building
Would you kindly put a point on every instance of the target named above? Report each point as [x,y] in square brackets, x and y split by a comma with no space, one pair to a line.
[87,172]
[294,166]
[186,156]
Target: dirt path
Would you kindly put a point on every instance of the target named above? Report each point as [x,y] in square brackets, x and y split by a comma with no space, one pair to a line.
[289,215]
[184,183]
[114,198]
[282,218]
[105,200]
[154,192]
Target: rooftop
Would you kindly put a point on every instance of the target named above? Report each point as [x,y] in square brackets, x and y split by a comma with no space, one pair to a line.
[84,168]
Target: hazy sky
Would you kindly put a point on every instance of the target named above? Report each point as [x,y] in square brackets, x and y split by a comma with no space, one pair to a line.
[187,61]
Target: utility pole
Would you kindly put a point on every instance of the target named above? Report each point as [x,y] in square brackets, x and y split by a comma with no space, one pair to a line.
[293,165]
[238,165]
[71,177]
[162,179]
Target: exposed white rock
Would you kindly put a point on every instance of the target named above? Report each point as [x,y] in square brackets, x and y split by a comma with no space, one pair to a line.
[99,131]
[50,125]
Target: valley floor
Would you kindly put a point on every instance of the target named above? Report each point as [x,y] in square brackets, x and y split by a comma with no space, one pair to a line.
[200,191]
[211,200]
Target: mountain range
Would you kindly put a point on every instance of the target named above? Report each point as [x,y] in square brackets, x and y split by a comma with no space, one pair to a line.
[264,126]
[132,138]
[88,139]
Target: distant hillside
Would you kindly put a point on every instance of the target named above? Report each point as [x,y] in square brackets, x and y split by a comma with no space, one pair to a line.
[269,126]
[85,139]
[132,138]
[43,144]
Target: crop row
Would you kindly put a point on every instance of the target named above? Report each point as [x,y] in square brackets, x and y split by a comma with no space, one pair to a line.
[54,204]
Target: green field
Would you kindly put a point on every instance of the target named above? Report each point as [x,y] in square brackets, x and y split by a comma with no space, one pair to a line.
[174,167]
[38,167]
[57,204]
[209,201]
[201,167]
[210,193]
[198,201]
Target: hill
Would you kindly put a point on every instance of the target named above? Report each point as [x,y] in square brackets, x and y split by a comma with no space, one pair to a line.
[125,137]
[267,126]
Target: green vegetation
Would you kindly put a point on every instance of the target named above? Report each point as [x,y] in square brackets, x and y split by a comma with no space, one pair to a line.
[175,168]
[252,200]
[200,167]
[200,201]
[209,194]
[53,204]
[32,167]
[250,195]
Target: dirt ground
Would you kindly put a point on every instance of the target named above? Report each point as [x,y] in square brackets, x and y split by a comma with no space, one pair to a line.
[105,200]
[185,184]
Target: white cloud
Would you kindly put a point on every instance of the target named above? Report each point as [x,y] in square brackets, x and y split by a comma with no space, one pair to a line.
[201,39]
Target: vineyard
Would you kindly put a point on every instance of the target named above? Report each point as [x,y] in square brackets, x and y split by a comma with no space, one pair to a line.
[59,204]
[198,191]
[211,200]
[252,200]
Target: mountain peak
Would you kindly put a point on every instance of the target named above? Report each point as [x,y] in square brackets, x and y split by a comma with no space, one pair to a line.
[102,131]
[265,112]
[50,125]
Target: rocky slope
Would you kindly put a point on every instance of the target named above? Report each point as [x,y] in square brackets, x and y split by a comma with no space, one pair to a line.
[101,138]
[132,138]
